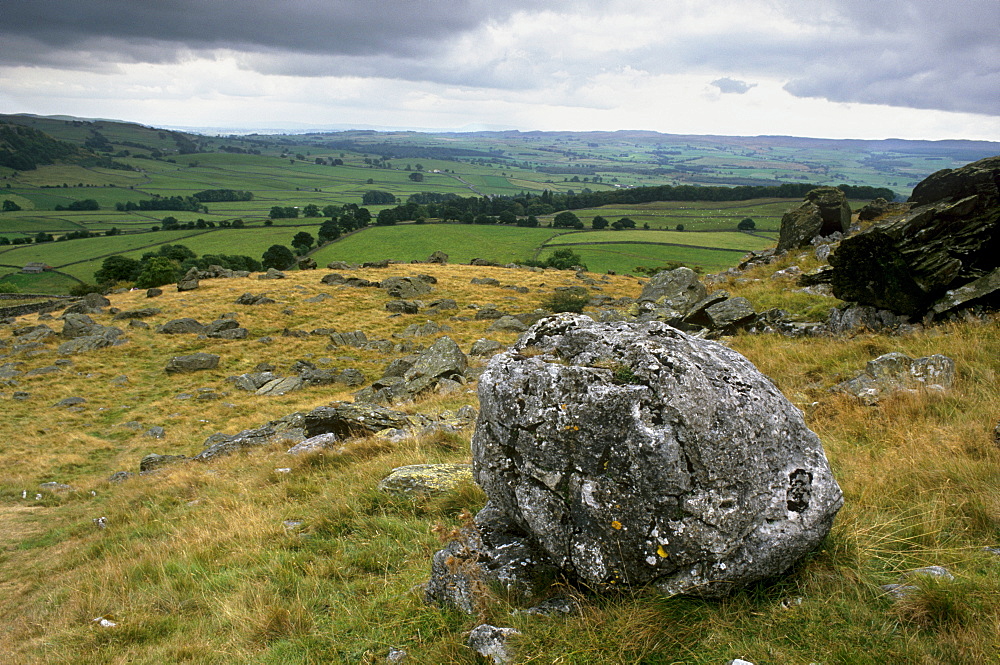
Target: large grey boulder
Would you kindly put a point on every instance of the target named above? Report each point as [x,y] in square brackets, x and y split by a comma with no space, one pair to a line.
[824,213]
[632,453]
[77,325]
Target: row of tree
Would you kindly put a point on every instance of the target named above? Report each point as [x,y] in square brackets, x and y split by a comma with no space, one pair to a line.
[166,265]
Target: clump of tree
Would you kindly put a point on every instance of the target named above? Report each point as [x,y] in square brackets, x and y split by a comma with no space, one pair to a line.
[24,148]
[85,204]
[746,224]
[278,257]
[180,203]
[377,197]
[283,212]
[10,206]
[164,266]
[566,220]
[222,195]
[562,259]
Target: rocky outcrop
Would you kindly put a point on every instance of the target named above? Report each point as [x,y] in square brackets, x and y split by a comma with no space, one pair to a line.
[442,366]
[824,213]
[919,262]
[632,453]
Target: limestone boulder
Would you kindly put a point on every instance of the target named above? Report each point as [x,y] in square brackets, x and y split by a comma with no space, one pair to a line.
[897,372]
[195,362]
[632,453]
[677,289]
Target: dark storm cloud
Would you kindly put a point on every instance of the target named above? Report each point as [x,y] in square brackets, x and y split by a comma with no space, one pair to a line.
[87,33]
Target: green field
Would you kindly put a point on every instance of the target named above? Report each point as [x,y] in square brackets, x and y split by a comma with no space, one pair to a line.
[415,242]
[298,170]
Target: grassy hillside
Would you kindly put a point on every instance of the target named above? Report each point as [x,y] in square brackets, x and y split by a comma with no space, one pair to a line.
[269,558]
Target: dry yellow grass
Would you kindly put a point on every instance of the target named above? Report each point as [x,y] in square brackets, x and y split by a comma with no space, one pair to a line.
[234,562]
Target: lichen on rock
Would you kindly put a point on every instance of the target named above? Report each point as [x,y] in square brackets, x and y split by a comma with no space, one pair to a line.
[632,453]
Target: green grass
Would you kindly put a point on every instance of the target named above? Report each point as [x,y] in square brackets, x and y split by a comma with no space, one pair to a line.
[625,258]
[710,239]
[415,242]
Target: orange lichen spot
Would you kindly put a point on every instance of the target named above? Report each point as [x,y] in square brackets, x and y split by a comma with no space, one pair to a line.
[662,552]
[616,524]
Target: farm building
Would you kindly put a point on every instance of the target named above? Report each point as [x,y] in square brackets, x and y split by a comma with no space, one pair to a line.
[35,267]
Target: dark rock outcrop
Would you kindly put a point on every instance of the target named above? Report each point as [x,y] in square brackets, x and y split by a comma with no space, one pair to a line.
[824,213]
[949,239]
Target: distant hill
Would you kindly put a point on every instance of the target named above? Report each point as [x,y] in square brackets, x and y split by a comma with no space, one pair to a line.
[24,148]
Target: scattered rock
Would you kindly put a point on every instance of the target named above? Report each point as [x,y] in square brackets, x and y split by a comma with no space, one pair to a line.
[272,273]
[492,642]
[154,292]
[485,347]
[406,288]
[402,307]
[485,281]
[287,430]
[192,363]
[896,372]
[347,420]
[315,443]
[424,329]
[181,327]
[152,462]
[307,263]
[142,313]
[507,323]
[251,299]
[426,479]
[438,257]
[189,282]
[71,401]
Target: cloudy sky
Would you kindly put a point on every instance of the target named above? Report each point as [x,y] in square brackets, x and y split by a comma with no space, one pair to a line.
[832,68]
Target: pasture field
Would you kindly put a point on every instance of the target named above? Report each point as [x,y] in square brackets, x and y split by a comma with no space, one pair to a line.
[624,259]
[735,240]
[415,242]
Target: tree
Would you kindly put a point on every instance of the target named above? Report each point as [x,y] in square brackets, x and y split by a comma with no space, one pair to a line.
[417,177]
[377,197]
[279,257]
[159,270]
[564,259]
[329,230]
[626,223]
[311,210]
[386,217]
[680,227]
[303,239]
[567,220]
[117,269]
[746,224]
[599,223]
